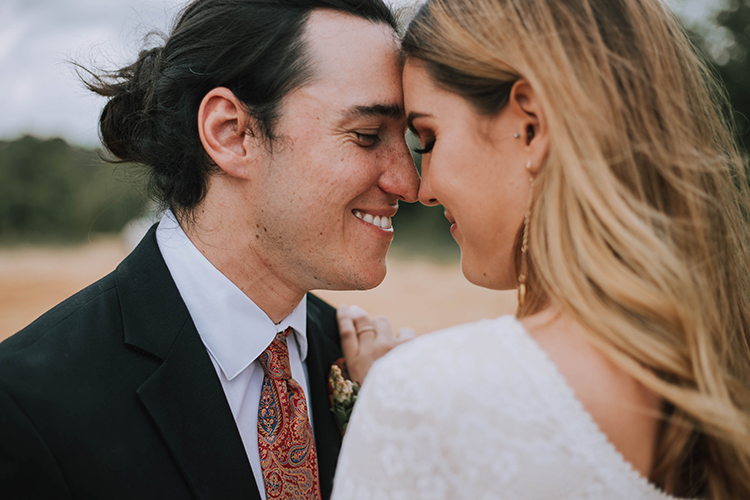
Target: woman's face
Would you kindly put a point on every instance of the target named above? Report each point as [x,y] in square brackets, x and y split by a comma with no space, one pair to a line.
[476,169]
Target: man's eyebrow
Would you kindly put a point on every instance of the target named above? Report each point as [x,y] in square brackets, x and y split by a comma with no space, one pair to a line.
[388,110]
[410,121]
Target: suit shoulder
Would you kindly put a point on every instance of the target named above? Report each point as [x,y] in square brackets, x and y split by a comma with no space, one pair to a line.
[81,307]
[324,308]
[323,312]
[324,315]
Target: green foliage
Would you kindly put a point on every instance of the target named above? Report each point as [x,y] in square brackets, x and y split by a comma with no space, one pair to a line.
[726,42]
[736,72]
[423,230]
[50,190]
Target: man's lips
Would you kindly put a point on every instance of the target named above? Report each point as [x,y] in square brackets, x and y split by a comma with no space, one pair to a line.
[380,218]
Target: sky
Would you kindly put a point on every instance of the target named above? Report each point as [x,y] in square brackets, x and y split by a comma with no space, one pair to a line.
[40,93]
[39,90]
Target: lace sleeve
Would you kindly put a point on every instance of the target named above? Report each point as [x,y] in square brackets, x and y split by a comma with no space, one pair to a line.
[470,413]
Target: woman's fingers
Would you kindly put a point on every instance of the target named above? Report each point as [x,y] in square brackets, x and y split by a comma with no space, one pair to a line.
[384,331]
[348,332]
[363,324]
[364,340]
[405,334]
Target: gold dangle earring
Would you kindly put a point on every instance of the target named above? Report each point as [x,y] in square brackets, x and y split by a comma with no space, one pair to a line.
[525,244]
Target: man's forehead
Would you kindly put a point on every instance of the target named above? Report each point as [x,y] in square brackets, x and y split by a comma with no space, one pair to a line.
[346,49]
[389,110]
[355,66]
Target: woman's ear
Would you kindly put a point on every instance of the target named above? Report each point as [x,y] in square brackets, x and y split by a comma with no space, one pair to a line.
[533,128]
[226,134]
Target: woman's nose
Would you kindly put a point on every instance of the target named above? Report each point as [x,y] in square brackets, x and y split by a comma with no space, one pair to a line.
[426,196]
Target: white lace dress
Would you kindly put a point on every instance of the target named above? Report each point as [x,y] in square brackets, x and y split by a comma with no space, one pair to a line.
[478,412]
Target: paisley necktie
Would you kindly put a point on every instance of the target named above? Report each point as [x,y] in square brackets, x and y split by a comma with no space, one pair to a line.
[285,438]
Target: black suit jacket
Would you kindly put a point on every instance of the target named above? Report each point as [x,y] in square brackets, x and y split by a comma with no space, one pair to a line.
[112,395]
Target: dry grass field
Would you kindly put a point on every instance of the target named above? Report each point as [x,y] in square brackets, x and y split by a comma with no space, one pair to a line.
[416,293]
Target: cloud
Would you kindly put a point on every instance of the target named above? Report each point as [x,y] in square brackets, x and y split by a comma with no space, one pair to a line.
[39,91]
[11,34]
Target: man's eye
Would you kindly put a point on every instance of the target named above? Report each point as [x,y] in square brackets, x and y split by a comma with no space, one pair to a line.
[367,139]
[428,147]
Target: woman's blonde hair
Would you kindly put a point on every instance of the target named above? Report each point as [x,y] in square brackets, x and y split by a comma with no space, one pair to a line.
[638,226]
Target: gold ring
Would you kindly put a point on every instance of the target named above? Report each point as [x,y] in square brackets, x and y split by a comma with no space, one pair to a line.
[365,329]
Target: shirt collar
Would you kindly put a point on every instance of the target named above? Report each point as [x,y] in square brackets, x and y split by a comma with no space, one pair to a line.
[233,328]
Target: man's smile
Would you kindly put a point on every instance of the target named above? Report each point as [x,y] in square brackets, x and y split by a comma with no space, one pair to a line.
[381,221]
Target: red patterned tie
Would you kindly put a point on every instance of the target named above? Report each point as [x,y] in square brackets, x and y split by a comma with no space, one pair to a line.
[285,438]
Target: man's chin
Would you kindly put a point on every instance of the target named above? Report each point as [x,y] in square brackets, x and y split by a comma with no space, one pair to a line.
[372,283]
[361,280]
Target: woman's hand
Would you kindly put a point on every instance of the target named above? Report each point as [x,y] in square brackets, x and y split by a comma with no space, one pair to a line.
[364,339]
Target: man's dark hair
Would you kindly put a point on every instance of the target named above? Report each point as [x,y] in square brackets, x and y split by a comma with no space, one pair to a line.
[253,47]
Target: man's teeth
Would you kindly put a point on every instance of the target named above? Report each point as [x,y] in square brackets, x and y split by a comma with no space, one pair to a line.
[381,222]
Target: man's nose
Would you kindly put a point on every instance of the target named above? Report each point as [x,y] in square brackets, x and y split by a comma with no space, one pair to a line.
[400,176]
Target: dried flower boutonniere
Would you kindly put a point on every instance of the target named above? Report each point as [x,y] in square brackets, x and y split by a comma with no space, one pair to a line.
[342,393]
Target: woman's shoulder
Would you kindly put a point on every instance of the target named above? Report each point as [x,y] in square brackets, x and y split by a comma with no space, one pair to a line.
[492,346]
[461,365]
[500,333]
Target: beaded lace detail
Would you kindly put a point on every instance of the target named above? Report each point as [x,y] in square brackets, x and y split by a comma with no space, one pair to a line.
[478,411]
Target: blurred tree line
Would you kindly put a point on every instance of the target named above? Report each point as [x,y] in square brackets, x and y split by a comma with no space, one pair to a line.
[725,40]
[50,190]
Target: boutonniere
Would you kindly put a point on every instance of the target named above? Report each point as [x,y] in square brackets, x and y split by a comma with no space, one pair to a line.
[342,393]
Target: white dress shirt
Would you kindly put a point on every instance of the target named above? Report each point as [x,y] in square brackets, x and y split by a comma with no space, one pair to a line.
[234,330]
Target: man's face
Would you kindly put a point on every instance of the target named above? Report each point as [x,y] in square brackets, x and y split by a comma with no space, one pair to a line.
[340,164]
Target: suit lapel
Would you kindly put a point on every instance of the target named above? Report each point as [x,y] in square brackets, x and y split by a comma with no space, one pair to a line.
[183,396]
[321,354]
[187,403]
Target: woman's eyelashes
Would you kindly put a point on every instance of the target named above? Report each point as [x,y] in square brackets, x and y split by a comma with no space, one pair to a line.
[428,147]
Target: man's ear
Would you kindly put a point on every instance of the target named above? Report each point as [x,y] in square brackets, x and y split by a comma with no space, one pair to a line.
[532,123]
[226,133]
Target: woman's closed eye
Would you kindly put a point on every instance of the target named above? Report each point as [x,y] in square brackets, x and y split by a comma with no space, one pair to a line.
[427,148]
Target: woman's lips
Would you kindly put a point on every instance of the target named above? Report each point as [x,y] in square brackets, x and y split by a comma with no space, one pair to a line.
[452,221]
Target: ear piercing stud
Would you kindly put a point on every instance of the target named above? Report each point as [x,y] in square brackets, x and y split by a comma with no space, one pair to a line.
[516,135]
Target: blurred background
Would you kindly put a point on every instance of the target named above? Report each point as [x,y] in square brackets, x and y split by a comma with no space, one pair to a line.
[67,217]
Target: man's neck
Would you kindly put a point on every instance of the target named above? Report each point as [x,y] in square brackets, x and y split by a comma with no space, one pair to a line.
[237,259]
